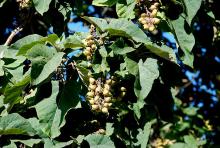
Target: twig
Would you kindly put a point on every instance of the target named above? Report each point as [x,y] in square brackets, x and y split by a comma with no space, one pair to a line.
[13,33]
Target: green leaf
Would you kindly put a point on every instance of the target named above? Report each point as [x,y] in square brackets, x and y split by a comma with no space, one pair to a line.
[143,135]
[191,111]
[104,2]
[125,9]
[49,114]
[179,145]
[1,67]
[2,51]
[11,145]
[186,41]
[48,68]
[148,72]
[73,41]
[29,142]
[42,5]
[109,129]
[48,143]
[131,66]
[125,28]
[191,141]
[14,124]
[119,47]
[99,141]
[52,117]
[192,7]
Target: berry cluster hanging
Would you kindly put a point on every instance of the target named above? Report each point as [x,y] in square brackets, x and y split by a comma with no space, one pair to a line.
[148,17]
[102,94]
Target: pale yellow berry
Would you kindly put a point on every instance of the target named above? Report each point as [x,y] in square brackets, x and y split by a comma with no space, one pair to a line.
[91,80]
[105,92]
[146,26]
[151,28]
[93,46]
[109,81]
[91,102]
[123,89]
[105,110]
[153,13]
[90,94]
[89,37]
[96,98]
[107,99]
[156,20]
[95,107]
[152,7]
[92,87]
[143,15]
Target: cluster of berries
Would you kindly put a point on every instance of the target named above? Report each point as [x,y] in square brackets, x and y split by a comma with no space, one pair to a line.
[161,143]
[149,18]
[24,3]
[101,94]
[90,44]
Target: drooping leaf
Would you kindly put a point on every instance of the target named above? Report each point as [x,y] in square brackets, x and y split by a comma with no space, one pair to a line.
[73,41]
[48,68]
[14,124]
[1,67]
[104,2]
[192,8]
[42,5]
[186,41]
[125,9]
[131,66]
[99,141]
[148,72]
[29,142]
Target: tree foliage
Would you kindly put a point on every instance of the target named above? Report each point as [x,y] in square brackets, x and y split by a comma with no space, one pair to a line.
[120,83]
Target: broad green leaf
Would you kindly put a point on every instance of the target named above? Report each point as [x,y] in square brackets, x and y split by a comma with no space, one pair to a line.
[26,43]
[104,2]
[148,72]
[42,5]
[52,117]
[14,124]
[179,145]
[131,66]
[2,50]
[191,111]
[186,41]
[36,126]
[192,7]
[11,145]
[125,28]
[48,143]
[191,141]
[99,141]
[125,9]
[29,142]
[109,129]
[40,50]
[13,94]
[48,68]
[49,114]
[119,47]
[137,108]
[73,41]
[1,67]
[143,135]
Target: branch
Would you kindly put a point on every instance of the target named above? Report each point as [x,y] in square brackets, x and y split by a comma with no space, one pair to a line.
[13,33]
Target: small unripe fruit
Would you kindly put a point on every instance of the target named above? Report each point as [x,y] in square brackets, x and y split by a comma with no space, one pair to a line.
[105,104]
[88,49]
[89,57]
[123,89]
[92,87]
[90,42]
[152,7]
[91,102]
[91,80]
[154,13]
[156,4]
[93,47]
[156,20]
[86,53]
[109,81]
[106,86]
[89,37]
[101,131]
[143,15]
[98,89]
[107,99]
[109,104]
[105,110]
[95,107]
[146,26]
[90,94]
[96,98]
[141,19]
[113,82]
[151,28]
[122,94]
[105,92]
